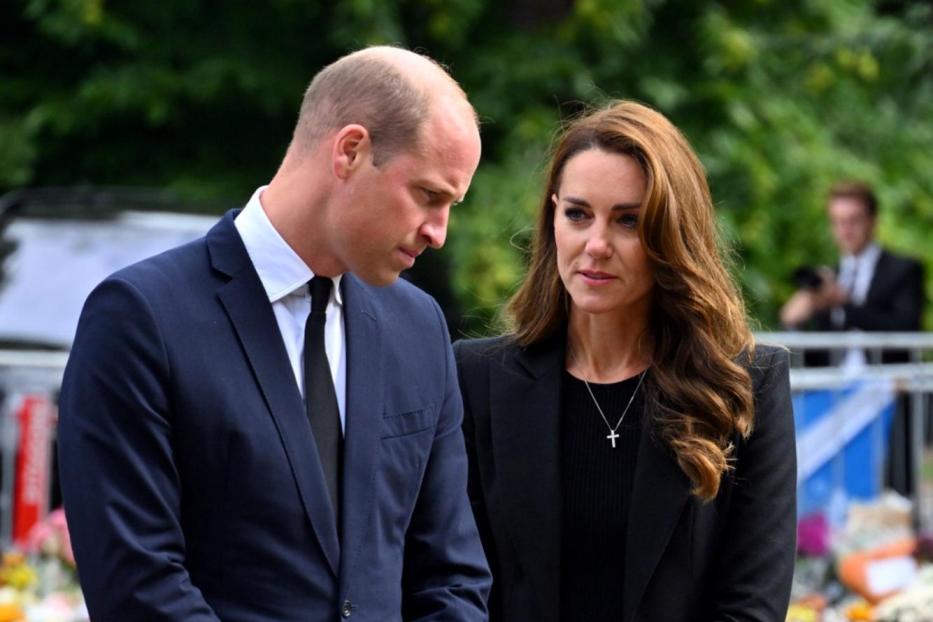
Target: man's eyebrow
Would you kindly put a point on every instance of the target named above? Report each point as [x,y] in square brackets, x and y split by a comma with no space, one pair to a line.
[585,203]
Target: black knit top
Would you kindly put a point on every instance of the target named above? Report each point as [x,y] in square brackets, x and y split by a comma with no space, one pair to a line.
[596,485]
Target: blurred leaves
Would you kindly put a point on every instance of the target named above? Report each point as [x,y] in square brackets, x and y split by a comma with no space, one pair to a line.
[779,98]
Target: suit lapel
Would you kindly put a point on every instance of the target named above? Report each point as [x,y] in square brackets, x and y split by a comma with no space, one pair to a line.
[247,306]
[526,400]
[659,494]
[875,287]
[364,402]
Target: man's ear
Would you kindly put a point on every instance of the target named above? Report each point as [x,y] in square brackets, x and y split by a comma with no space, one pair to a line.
[352,147]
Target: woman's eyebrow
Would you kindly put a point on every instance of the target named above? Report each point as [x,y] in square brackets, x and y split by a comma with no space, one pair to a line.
[585,203]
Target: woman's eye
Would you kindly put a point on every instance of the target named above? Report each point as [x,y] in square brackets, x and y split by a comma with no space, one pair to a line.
[629,221]
[574,214]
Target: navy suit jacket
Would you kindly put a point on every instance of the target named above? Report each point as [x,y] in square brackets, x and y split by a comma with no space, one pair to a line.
[190,475]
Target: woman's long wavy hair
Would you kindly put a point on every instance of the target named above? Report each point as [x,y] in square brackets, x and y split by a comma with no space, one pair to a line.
[698,394]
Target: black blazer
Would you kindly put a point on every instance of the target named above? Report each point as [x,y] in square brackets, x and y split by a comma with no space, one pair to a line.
[729,559]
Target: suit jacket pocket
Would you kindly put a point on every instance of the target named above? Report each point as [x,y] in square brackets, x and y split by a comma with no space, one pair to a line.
[408,422]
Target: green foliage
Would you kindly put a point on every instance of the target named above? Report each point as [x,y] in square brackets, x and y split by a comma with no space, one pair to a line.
[778,98]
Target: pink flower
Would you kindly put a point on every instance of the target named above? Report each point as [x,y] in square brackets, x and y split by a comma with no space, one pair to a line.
[38,537]
[50,536]
[56,519]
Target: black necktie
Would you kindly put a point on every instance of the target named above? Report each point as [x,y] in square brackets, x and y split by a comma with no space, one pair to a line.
[320,397]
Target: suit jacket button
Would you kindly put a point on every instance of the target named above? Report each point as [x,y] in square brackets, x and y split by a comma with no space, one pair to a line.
[346,610]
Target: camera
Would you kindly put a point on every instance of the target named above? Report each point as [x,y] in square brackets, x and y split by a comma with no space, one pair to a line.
[808,277]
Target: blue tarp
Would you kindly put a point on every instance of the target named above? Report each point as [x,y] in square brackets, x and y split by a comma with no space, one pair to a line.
[841,440]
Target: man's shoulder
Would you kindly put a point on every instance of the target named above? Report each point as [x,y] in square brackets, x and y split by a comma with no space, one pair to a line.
[172,268]
[398,296]
[898,260]
[406,311]
[219,251]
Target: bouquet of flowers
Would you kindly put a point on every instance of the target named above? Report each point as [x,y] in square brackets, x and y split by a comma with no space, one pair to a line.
[39,583]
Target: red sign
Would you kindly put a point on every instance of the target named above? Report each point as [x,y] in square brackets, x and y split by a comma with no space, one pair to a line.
[33,464]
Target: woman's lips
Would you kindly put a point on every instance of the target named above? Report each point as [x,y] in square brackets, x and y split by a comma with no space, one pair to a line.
[595,277]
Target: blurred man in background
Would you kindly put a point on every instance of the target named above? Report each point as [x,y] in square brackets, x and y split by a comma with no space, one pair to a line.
[264,425]
[871,289]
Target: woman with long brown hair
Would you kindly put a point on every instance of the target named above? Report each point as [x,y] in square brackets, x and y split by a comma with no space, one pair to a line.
[632,452]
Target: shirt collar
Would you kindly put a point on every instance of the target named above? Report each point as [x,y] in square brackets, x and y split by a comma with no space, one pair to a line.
[281,271]
[868,256]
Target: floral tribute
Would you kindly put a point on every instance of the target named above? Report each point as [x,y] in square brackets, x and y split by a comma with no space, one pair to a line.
[39,583]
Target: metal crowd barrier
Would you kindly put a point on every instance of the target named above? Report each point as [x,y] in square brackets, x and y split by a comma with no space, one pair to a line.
[29,382]
[913,380]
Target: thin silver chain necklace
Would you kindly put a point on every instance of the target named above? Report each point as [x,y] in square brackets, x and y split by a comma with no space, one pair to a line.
[613,435]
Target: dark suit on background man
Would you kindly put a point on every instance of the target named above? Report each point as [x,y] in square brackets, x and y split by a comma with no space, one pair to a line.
[194,485]
[894,302]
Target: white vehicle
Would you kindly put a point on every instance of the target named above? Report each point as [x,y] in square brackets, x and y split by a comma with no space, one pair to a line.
[56,245]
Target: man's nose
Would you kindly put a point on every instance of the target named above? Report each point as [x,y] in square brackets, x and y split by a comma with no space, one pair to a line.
[434,228]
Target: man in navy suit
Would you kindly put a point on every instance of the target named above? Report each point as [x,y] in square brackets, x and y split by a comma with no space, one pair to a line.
[239,445]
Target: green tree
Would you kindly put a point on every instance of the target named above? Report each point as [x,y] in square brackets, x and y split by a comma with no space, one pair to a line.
[778,98]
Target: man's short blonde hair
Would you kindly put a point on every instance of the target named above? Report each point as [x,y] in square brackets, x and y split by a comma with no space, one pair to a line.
[369,90]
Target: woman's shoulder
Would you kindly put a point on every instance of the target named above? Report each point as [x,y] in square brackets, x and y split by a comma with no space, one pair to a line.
[765,357]
[484,350]
[768,366]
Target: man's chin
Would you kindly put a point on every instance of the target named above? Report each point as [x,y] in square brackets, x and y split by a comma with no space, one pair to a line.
[382,279]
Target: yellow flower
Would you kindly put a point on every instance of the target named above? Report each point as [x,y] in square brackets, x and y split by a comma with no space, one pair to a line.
[860,611]
[13,558]
[11,612]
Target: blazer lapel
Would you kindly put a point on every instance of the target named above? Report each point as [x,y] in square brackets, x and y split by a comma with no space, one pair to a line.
[526,400]
[876,286]
[660,492]
[247,306]
[364,411]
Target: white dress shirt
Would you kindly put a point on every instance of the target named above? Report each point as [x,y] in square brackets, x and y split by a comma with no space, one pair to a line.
[856,272]
[855,275]
[284,276]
